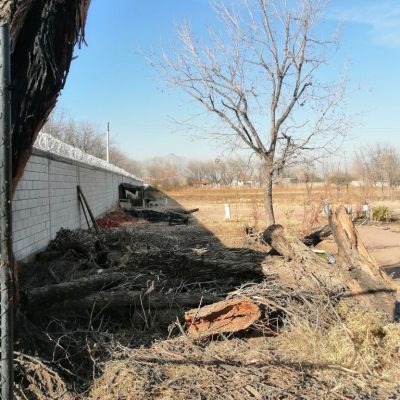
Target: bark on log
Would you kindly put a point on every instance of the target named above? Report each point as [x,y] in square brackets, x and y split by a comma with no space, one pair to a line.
[226,316]
[366,278]
[287,244]
[133,301]
[215,263]
[351,248]
[50,294]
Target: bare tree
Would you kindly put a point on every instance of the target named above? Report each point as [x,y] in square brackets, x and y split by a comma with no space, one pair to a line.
[239,170]
[258,78]
[196,172]
[163,173]
[83,135]
[378,164]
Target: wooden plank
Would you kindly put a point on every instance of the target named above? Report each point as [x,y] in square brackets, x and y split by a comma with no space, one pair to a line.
[80,193]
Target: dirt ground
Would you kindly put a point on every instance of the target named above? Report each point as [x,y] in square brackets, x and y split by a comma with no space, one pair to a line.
[123,336]
[383,241]
[383,244]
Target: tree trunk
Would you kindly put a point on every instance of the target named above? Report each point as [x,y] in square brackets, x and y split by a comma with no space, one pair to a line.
[268,202]
[288,245]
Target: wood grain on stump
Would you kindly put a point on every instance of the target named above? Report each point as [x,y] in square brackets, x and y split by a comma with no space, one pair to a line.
[223,317]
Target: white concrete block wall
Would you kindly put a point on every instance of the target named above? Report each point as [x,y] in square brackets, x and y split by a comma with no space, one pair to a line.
[46,199]
[31,219]
[64,211]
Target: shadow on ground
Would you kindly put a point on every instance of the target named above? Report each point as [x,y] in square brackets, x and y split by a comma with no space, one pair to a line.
[88,294]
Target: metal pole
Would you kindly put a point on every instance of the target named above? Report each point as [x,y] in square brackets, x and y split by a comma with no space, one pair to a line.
[108,143]
[6,269]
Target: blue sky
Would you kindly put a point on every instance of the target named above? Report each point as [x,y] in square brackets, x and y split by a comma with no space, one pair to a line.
[111,81]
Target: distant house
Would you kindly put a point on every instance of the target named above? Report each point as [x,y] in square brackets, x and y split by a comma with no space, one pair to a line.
[285,180]
[252,183]
[381,184]
[237,182]
[356,183]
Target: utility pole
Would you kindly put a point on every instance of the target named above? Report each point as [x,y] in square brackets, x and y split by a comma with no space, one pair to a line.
[6,261]
[108,143]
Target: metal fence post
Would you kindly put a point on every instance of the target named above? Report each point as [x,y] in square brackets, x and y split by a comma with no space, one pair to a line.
[6,267]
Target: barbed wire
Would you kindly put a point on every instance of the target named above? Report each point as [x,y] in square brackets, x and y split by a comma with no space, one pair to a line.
[49,143]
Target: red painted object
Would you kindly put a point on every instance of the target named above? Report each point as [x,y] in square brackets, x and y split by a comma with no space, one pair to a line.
[115,219]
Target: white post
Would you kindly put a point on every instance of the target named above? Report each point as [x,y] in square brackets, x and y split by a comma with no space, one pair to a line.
[108,143]
[227,212]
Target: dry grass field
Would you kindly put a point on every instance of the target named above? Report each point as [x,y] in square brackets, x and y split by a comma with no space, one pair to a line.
[297,206]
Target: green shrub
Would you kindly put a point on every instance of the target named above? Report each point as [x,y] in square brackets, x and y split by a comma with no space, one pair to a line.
[380,213]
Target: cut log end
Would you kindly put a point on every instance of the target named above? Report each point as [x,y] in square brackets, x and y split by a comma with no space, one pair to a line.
[227,316]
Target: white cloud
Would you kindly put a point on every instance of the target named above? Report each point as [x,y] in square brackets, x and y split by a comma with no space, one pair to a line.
[382,18]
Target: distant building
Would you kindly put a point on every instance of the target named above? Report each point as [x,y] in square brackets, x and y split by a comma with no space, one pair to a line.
[356,183]
[381,184]
[285,180]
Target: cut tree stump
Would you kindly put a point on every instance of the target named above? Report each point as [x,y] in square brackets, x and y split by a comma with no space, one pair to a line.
[366,278]
[351,248]
[223,317]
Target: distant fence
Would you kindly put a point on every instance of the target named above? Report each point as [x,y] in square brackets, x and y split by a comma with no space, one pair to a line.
[46,196]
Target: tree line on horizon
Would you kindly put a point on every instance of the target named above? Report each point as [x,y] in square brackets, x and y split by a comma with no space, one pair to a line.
[377,164]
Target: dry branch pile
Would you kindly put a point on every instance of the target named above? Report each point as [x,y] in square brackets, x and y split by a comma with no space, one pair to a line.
[357,360]
[92,306]
[126,285]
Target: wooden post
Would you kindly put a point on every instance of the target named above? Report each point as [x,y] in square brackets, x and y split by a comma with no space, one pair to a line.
[96,228]
[227,212]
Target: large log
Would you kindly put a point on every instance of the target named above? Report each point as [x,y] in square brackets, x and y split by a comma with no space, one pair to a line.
[226,316]
[211,263]
[45,296]
[133,301]
[287,244]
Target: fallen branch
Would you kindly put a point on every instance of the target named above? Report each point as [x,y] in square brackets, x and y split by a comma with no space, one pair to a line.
[55,293]
[317,236]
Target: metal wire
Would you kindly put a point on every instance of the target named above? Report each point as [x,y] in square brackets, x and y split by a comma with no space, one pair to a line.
[49,143]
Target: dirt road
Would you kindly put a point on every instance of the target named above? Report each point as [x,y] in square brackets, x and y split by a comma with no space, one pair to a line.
[383,244]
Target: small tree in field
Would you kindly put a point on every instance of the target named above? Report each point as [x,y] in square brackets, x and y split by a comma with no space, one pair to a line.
[257,82]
